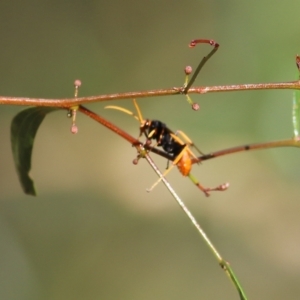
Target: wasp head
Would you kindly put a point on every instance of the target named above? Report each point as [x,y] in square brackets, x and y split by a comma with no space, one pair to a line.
[144,127]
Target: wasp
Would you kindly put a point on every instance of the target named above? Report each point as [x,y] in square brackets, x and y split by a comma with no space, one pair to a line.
[177,144]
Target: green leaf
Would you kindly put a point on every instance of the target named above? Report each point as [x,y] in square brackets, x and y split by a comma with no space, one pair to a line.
[24,127]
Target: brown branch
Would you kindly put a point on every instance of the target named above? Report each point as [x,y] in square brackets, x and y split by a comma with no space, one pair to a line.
[292,85]
[133,141]
[109,125]
[257,146]
[69,102]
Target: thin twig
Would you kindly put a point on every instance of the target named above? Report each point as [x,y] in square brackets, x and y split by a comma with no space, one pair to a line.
[258,146]
[69,102]
[202,62]
[133,141]
[224,264]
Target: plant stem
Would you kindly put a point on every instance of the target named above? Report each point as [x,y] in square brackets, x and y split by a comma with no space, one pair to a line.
[215,154]
[69,102]
[202,62]
[224,264]
[258,146]
[133,141]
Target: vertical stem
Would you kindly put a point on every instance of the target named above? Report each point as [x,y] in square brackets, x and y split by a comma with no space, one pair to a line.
[224,265]
[202,62]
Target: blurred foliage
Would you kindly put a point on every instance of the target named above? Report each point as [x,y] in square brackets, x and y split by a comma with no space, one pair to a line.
[93,232]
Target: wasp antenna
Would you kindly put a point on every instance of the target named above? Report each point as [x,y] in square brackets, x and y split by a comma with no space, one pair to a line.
[124,110]
[138,111]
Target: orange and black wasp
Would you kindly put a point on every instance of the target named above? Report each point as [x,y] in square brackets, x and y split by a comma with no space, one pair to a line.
[178,145]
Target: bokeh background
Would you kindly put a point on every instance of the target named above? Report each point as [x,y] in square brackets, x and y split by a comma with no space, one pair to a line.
[93,232]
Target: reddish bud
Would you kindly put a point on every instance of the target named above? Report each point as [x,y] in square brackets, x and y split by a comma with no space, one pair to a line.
[223,187]
[192,44]
[74,129]
[135,161]
[188,70]
[195,106]
[77,83]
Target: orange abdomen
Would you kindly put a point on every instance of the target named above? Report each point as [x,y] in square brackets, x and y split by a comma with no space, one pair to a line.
[184,165]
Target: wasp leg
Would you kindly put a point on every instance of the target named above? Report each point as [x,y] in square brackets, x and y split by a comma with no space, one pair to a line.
[159,179]
[174,163]
[221,187]
[177,139]
[148,139]
[188,141]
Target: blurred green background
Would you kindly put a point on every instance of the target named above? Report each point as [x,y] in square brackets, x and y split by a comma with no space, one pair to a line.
[93,232]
